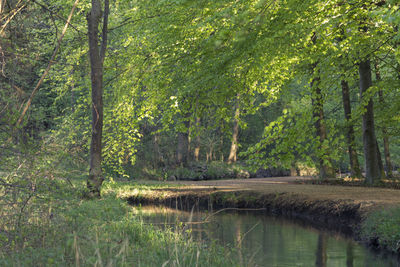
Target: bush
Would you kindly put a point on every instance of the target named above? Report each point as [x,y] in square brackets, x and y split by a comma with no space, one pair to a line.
[208,171]
[182,173]
[219,170]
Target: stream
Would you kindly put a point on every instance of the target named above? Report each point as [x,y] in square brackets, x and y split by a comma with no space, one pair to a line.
[262,240]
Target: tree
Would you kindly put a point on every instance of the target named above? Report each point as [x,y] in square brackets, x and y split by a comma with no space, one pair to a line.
[97,55]
[373,171]
[324,160]
[235,132]
[355,170]
[386,150]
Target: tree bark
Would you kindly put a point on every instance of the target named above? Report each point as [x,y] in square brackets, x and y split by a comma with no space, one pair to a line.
[325,170]
[197,145]
[235,133]
[373,171]
[355,170]
[159,158]
[386,150]
[182,148]
[97,55]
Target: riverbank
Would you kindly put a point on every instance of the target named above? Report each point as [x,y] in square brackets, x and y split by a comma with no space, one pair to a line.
[60,228]
[368,214]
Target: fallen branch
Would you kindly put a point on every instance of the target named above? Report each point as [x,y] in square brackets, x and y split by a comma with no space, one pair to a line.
[221,210]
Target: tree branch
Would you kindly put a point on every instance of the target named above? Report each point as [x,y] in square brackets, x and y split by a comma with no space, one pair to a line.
[57,15]
[11,17]
[104,32]
[29,102]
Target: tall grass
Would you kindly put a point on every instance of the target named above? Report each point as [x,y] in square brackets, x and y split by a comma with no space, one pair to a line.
[105,232]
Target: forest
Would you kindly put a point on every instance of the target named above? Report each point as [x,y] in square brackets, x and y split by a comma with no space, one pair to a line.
[98,95]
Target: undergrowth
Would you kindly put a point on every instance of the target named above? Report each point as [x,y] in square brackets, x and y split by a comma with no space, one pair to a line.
[44,221]
[104,232]
[208,171]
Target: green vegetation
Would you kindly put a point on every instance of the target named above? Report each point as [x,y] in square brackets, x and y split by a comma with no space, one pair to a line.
[208,171]
[382,228]
[269,84]
[59,229]
[181,89]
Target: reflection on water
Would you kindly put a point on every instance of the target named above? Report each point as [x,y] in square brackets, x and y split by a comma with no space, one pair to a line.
[262,240]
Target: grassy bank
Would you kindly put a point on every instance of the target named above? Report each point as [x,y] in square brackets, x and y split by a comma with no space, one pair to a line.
[381,229]
[62,229]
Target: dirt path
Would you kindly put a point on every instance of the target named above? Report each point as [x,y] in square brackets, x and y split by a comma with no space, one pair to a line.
[277,185]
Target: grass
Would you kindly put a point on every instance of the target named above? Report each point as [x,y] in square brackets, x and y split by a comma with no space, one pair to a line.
[62,229]
[382,229]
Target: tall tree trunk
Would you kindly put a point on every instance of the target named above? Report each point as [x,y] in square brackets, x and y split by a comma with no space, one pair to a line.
[182,148]
[380,162]
[159,158]
[189,140]
[235,133]
[354,164]
[386,150]
[97,55]
[371,156]
[197,145]
[325,170]
[294,170]
[221,141]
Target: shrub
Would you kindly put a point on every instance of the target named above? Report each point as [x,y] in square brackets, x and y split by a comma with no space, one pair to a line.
[207,171]
[219,170]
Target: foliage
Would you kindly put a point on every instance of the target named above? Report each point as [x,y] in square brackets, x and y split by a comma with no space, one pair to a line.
[178,67]
[383,227]
[175,70]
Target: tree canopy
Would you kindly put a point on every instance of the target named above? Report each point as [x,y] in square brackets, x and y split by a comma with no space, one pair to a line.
[269,77]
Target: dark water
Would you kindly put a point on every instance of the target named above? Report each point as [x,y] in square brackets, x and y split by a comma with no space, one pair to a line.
[262,240]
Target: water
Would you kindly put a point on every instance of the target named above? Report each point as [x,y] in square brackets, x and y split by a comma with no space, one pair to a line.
[262,240]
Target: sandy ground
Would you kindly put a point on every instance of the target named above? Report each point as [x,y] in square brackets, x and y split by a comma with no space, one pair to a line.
[277,185]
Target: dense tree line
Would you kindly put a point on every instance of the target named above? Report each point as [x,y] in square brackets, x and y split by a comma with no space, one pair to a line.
[269,83]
